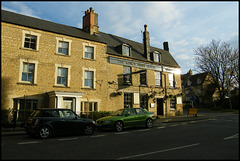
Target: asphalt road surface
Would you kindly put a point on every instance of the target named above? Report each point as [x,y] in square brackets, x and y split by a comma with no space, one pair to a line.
[215,138]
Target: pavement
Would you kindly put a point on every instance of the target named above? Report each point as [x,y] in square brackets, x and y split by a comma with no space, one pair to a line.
[161,119]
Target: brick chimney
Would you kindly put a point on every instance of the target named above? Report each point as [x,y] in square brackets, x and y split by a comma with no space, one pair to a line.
[146,43]
[90,22]
[165,46]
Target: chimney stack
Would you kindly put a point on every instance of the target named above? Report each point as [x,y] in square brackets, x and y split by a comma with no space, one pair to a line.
[90,22]
[165,46]
[146,43]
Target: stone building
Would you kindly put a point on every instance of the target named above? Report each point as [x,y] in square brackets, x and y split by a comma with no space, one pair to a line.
[199,89]
[50,65]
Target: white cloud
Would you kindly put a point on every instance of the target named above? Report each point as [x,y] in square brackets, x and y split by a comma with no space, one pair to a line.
[21,8]
[164,13]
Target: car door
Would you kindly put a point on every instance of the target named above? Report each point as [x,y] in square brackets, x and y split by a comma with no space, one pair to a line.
[130,117]
[140,116]
[72,123]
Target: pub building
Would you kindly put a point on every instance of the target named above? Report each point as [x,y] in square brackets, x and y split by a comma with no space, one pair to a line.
[50,65]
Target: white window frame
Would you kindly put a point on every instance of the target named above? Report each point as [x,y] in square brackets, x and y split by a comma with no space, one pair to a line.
[24,33]
[94,50]
[159,57]
[94,78]
[157,85]
[68,76]
[171,81]
[64,40]
[125,45]
[21,70]
[82,101]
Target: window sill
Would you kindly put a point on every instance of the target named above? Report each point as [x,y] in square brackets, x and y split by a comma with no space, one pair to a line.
[60,54]
[89,59]
[27,83]
[61,86]
[29,49]
[172,109]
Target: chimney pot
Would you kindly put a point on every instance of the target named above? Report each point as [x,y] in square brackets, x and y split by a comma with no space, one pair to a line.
[146,43]
[165,46]
[90,22]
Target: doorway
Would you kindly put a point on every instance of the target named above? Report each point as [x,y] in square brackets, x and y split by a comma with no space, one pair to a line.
[160,106]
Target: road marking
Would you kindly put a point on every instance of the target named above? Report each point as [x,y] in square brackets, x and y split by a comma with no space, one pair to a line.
[96,136]
[67,139]
[193,121]
[160,151]
[161,127]
[184,123]
[231,137]
[121,133]
[30,142]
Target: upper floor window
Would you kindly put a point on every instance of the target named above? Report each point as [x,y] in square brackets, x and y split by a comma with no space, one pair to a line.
[156,57]
[89,78]
[126,50]
[62,77]
[28,71]
[63,46]
[127,75]
[143,78]
[89,52]
[171,79]
[62,74]
[158,79]
[30,40]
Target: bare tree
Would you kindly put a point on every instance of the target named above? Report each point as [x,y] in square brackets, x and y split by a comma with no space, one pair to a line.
[222,62]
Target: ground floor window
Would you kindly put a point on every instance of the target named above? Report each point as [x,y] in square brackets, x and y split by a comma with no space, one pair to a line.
[173,103]
[87,107]
[144,101]
[128,100]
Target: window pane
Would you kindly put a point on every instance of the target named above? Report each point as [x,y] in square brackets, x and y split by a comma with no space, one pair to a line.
[88,49]
[59,80]
[31,68]
[156,57]
[89,52]
[25,67]
[126,50]
[24,76]
[30,77]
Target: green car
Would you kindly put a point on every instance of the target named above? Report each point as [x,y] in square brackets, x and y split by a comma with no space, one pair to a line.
[127,117]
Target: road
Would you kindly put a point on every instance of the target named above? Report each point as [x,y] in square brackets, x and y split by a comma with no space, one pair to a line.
[215,138]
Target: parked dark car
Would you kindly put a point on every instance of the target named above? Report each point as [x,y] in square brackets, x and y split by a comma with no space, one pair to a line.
[46,122]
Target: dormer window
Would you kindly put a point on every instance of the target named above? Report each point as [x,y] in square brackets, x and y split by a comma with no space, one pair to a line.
[156,57]
[125,50]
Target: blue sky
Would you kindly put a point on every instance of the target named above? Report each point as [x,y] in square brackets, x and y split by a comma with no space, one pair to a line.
[185,25]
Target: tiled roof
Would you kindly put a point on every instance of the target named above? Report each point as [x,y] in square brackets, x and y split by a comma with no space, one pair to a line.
[112,41]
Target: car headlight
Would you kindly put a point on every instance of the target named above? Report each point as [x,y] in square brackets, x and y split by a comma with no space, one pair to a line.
[107,121]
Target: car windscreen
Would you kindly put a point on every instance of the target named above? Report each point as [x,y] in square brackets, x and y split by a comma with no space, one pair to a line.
[118,112]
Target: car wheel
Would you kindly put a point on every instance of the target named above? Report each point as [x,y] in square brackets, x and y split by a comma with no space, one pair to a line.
[44,132]
[119,126]
[89,129]
[149,123]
